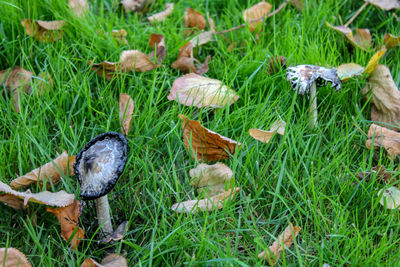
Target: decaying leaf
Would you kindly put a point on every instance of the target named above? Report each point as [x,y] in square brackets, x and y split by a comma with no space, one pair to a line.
[211,178]
[126,107]
[44,31]
[12,257]
[349,70]
[390,197]
[385,97]
[381,175]
[362,38]
[50,173]
[169,7]
[186,61]
[68,219]
[157,42]
[276,63]
[195,90]
[391,41]
[207,204]
[194,19]
[299,4]
[58,199]
[80,7]
[253,16]
[118,234]
[12,201]
[374,61]
[112,260]
[384,137]
[136,5]
[119,35]
[265,136]
[385,4]
[204,144]
[202,38]
[285,240]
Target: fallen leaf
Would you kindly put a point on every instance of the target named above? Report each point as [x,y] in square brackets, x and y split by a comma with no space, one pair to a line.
[169,7]
[136,60]
[254,15]
[186,61]
[136,5]
[157,42]
[391,41]
[390,197]
[112,260]
[276,63]
[298,4]
[80,7]
[374,61]
[265,136]
[284,241]
[385,4]
[211,178]
[362,38]
[211,23]
[58,199]
[120,35]
[384,137]
[44,31]
[12,201]
[118,234]
[126,107]
[381,175]
[208,204]
[195,90]
[12,257]
[204,144]
[202,38]
[68,219]
[385,97]
[349,70]
[193,19]
[53,170]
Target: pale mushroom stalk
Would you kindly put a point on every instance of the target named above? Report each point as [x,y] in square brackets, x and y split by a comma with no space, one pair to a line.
[313,112]
[103,214]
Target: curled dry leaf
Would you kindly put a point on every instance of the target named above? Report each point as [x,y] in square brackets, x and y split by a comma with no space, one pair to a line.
[195,90]
[136,5]
[169,7]
[391,41]
[44,31]
[193,19]
[211,178]
[112,260]
[382,137]
[381,175]
[80,7]
[126,107]
[204,144]
[119,35]
[50,173]
[11,257]
[385,4]
[157,42]
[385,96]
[186,61]
[349,70]
[265,136]
[254,15]
[285,240]
[12,201]
[276,63]
[208,204]
[390,197]
[118,234]
[68,219]
[374,61]
[58,199]
[362,38]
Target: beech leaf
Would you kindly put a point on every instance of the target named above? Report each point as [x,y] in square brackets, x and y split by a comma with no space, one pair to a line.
[80,7]
[44,31]
[194,19]
[349,70]
[265,136]
[388,139]
[126,107]
[391,41]
[362,38]
[390,197]
[112,260]
[118,234]
[12,257]
[169,7]
[374,61]
[119,35]
[135,5]
[256,12]
[186,61]
[385,4]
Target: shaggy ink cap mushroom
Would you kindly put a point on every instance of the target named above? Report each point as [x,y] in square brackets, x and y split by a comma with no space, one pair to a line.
[100,163]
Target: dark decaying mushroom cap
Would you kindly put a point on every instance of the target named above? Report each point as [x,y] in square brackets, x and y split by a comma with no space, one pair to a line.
[99,165]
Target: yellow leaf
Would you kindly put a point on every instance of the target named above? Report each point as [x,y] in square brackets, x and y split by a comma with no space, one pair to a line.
[349,70]
[374,61]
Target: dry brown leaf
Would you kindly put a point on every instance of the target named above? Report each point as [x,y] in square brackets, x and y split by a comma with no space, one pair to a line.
[381,175]
[58,199]
[12,201]
[265,136]
[384,137]
[136,60]
[126,107]
[169,7]
[285,240]
[391,41]
[297,4]
[374,61]
[44,31]
[207,204]
[349,70]
[276,63]
[211,179]
[80,7]
[256,12]
[385,97]
[186,61]
[12,257]
[206,145]
[362,38]
[119,35]
[136,5]
[194,19]
[157,42]
[68,219]
[202,38]
[385,4]
[53,170]
[112,260]
[118,234]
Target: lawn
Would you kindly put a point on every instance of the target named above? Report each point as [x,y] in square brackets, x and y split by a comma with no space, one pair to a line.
[307,177]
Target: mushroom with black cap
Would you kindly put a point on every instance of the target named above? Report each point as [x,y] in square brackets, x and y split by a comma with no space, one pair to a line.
[98,166]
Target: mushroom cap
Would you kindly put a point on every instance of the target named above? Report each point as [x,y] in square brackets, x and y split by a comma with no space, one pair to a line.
[302,76]
[100,163]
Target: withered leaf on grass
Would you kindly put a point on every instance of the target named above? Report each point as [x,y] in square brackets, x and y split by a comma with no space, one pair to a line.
[50,173]
[136,5]
[44,31]
[276,63]
[349,70]
[12,201]
[385,4]
[204,144]
[118,234]
[362,39]
[374,61]
[256,12]
[265,136]
[211,179]
[157,42]
[119,35]
[390,197]
[126,107]
[384,137]
[381,175]
[206,204]
[68,219]
[385,96]
[194,19]
[80,7]
[285,240]
[186,61]
[169,7]
[112,260]
[12,257]
[195,90]
[391,41]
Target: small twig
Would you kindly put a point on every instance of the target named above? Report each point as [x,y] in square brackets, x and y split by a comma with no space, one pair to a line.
[256,20]
[356,14]
[358,127]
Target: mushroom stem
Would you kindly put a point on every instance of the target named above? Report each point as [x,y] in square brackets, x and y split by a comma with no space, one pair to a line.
[313,112]
[103,214]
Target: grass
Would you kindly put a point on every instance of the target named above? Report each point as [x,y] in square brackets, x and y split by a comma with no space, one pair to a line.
[304,177]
